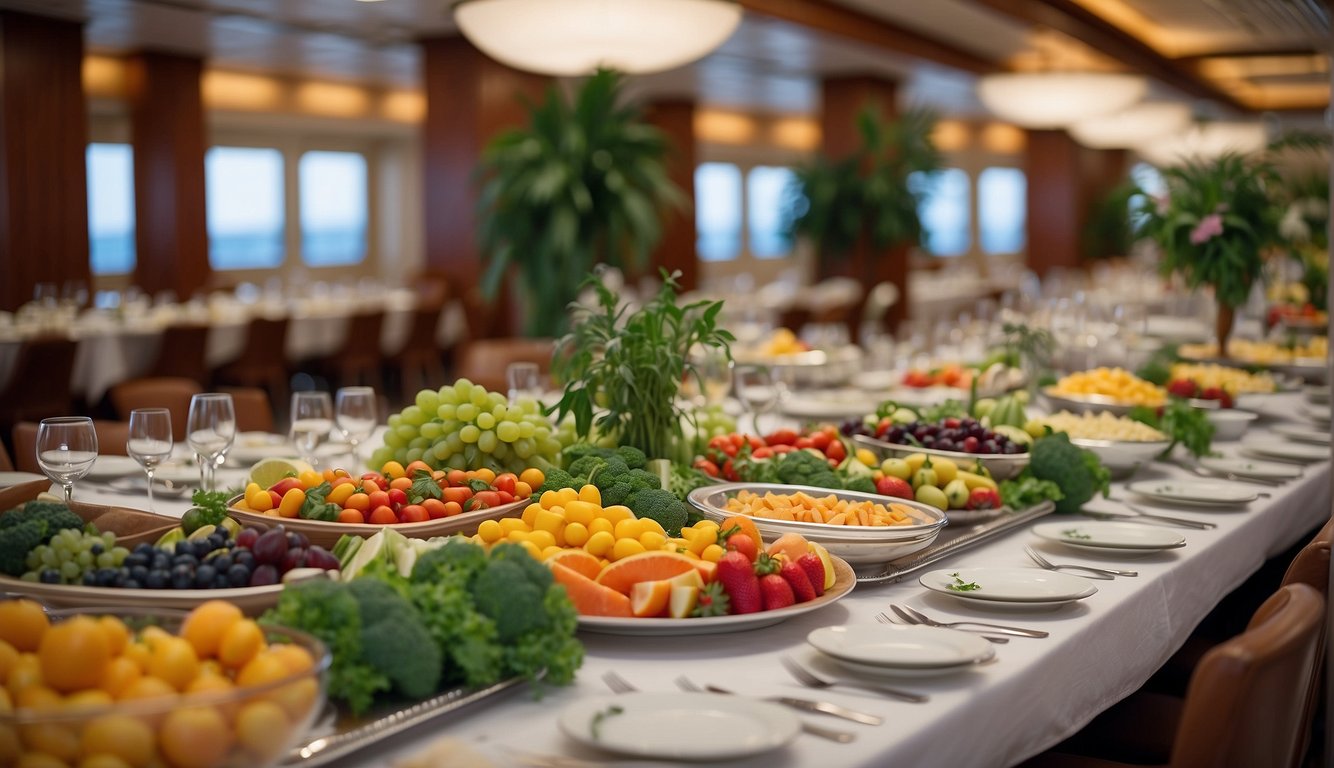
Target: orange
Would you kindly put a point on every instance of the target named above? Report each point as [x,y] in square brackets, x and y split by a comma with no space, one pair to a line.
[125,737]
[242,640]
[747,527]
[118,635]
[623,574]
[120,674]
[649,598]
[174,660]
[74,654]
[262,729]
[708,569]
[9,655]
[206,625]
[683,601]
[589,597]
[578,560]
[148,688]
[22,623]
[195,737]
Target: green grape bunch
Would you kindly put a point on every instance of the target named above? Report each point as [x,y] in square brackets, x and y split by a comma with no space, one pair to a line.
[71,554]
[464,426]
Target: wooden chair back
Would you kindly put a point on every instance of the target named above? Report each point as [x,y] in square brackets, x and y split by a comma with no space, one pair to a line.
[265,342]
[1247,696]
[171,393]
[1311,567]
[484,360]
[254,412]
[181,354]
[40,385]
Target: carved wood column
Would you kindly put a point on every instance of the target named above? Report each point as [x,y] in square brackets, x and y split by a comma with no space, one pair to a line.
[43,145]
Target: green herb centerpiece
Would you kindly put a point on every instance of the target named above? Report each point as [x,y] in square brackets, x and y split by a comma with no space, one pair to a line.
[1213,225]
[630,363]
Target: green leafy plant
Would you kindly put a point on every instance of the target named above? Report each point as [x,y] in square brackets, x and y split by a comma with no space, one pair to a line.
[583,183]
[836,201]
[631,364]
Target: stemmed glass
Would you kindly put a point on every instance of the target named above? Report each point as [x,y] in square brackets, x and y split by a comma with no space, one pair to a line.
[210,431]
[356,413]
[312,418]
[524,380]
[150,441]
[758,391]
[66,450]
[715,375]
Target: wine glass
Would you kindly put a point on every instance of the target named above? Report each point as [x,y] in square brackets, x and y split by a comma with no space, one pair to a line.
[356,413]
[714,368]
[210,431]
[150,441]
[66,450]
[312,418]
[758,391]
[525,380]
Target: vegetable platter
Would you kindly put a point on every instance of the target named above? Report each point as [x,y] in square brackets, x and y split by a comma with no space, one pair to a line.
[327,534]
[999,466]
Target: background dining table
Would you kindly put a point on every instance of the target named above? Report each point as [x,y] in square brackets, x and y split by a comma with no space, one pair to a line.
[1037,692]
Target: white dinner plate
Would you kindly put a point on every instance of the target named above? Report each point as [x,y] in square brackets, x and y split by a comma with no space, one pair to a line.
[14,478]
[112,467]
[1264,470]
[1304,434]
[1111,535]
[833,404]
[181,474]
[1317,413]
[1318,394]
[679,726]
[1202,492]
[1285,449]
[902,646]
[1026,586]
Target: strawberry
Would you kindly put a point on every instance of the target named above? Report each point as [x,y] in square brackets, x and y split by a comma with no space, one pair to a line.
[814,568]
[766,564]
[737,576]
[795,576]
[1182,387]
[775,592]
[733,540]
[713,601]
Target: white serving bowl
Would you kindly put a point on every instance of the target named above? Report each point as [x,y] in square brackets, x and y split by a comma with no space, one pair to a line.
[1230,423]
[1122,457]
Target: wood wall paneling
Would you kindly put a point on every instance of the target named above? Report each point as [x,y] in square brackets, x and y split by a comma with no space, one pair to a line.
[842,100]
[43,140]
[1065,181]
[676,251]
[168,134]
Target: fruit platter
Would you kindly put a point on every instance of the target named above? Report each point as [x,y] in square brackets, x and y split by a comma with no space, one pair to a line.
[1114,390]
[1304,358]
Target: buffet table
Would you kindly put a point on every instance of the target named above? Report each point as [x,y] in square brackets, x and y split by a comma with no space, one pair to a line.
[1038,691]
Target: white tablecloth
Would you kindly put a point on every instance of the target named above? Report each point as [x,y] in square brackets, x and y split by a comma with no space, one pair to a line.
[1037,693]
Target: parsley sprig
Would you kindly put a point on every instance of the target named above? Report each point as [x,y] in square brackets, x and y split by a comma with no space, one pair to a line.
[959,585]
[596,726]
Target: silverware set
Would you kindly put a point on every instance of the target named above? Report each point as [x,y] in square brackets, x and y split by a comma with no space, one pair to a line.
[1090,571]
[1142,514]
[1214,474]
[913,616]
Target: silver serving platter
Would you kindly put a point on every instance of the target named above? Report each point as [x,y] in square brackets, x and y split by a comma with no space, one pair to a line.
[1087,403]
[1002,466]
[1122,457]
[856,544]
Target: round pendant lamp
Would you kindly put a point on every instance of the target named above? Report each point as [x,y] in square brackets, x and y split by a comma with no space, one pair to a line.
[1057,99]
[1206,141]
[575,37]
[1132,126]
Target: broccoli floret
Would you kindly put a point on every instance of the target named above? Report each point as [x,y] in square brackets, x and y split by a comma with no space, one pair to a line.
[390,623]
[533,569]
[579,451]
[56,515]
[1077,472]
[633,457]
[617,494]
[17,541]
[643,480]
[804,468]
[662,506]
[861,484]
[457,555]
[556,480]
[585,466]
[612,473]
[505,594]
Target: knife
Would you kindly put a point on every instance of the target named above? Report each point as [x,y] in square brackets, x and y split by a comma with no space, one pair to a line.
[824,707]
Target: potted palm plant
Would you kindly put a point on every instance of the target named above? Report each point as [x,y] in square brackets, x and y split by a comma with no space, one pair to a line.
[584,183]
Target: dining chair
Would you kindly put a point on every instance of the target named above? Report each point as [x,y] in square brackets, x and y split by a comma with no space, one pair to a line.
[263,359]
[358,358]
[254,412]
[111,437]
[484,361]
[420,362]
[181,353]
[1243,708]
[40,384]
[172,393]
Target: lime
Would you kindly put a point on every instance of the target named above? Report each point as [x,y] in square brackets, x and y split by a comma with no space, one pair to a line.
[269,471]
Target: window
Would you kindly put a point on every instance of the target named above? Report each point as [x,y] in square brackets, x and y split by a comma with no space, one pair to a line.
[944,209]
[111,208]
[766,193]
[1001,207]
[718,211]
[244,188]
[333,208]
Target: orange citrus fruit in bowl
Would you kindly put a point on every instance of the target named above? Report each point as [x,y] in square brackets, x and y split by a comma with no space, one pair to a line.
[74,654]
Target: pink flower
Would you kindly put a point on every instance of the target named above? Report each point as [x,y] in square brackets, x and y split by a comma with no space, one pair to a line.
[1208,227]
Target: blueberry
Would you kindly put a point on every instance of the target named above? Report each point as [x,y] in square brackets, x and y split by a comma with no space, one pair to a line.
[96,549]
[187,560]
[204,576]
[90,578]
[222,562]
[244,557]
[161,562]
[238,575]
[157,579]
[49,576]
[182,577]
[139,573]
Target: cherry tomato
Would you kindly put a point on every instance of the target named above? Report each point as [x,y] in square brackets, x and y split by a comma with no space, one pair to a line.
[378,499]
[358,501]
[781,449]
[505,482]
[485,500]
[376,478]
[457,477]
[453,508]
[707,467]
[729,471]
[781,437]
[820,440]
[400,483]
[370,486]
[351,516]
[435,508]
[415,467]
[505,497]
[286,484]
[383,515]
[276,498]
[736,439]
[803,442]
[754,442]
[413,513]
[763,452]
[836,450]
[457,494]
[718,441]
[397,497]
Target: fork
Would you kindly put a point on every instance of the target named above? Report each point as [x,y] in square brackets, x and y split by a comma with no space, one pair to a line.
[917,617]
[842,737]
[1096,573]
[1138,512]
[805,705]
[1212,474]
[884,618]
[811,680]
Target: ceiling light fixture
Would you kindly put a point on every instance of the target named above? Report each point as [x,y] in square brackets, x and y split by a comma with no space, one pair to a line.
[1132,126]
[1057,99]
[575,37]
[1206,141]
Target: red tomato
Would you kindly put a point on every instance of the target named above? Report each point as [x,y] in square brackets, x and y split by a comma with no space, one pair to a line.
[376,478]
[763,452]
[718,441]
[351,516]
[707,467]
[383,515]
[370,486]
[803,442]
[415,466]
[736,439]
[505,497]
[277,499]
[457,494]
[781,437]
[286,484]
[397,497]
[505,483]
[435,508]
[729,471]
[780,449]
[485,500]
[755,442]
[400,483]
[457,477]
[836,450]
[453,508]
[413,513]
[379,499]
[820,440]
